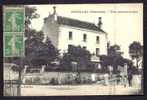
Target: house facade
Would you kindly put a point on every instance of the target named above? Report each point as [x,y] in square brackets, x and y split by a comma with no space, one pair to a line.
[64,32]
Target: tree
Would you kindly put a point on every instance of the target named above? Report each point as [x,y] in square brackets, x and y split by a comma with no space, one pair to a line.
[114,58]
[52,52]
[65,62]
[114,50]
[30,14]
[114,61]
[76,54]
[39,52]
[136,52]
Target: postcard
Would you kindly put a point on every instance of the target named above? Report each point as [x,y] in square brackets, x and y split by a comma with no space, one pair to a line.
[73,49]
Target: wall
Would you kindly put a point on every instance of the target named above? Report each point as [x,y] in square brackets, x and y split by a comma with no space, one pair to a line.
[61,76]
[51,29]
[103,44]
[78,39]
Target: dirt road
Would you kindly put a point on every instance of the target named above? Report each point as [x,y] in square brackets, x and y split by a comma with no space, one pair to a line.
[39,90]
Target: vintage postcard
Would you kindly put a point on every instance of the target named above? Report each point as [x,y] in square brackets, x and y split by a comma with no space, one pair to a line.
[73,49]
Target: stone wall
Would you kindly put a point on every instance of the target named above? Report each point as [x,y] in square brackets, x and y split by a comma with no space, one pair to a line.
[61,77]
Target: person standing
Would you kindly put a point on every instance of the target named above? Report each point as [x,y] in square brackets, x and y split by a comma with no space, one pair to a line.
[130,76]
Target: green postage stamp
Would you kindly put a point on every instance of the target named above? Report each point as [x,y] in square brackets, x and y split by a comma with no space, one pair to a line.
[13,19]
[14,45]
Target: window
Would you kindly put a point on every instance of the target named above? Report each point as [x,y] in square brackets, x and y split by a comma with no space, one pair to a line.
[84,37]
[70,35]
[97,39]
[97,51]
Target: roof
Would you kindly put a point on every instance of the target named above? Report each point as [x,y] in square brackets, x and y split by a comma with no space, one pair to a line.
[77,23]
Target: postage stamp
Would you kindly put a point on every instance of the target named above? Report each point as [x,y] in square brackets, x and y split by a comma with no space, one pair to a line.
[14,45]
[13,27]
[13,20]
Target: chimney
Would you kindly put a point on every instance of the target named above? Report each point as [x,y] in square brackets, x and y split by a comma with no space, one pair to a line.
[100,22]
[54,10]
[54,13]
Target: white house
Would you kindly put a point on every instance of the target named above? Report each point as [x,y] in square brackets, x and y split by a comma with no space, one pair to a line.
[64,32]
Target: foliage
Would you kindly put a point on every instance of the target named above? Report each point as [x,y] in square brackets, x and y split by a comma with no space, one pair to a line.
[38,52]
[52,52]
[30,13]
[65,62]
[112,61]
[136,51]
[76,54]
[113,58]
[114,50]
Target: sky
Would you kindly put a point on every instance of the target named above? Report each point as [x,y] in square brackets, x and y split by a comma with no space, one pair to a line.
[122,22]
